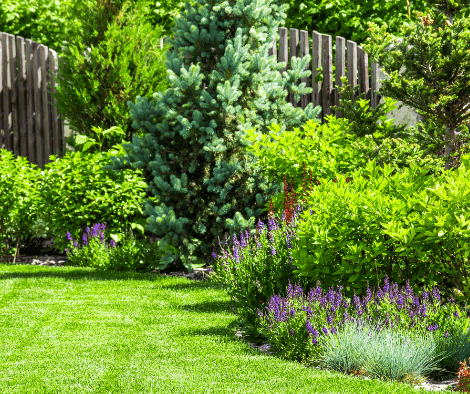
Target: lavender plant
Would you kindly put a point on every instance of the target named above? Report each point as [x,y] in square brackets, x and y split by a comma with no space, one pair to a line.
[298,323]
[257,264]
[92,250]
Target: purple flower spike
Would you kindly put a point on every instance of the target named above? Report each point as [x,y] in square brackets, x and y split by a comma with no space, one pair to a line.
[85,240]
[260,226]
[456,314]
[235,255]
[75,244]
[112,243]
[325,330]
[69,236]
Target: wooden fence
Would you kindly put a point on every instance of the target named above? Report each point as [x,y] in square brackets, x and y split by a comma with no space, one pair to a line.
[29,123]
[297,43]
[31,127]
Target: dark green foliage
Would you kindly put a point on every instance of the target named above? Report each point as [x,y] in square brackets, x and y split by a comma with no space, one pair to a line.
[96,83]
[77,192]
[49,22]
[348,18]
[436,61]
[192,150]
[163,13]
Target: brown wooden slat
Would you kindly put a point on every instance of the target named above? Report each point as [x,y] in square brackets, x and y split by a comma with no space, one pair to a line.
[293,51]
[363,72]
[304,50]
[273,49]
[14,95]
[374,71]
[29,49]
[2,57]
[6,92]
[327,65]
[316,63]
[39,140]
[283,50]
[351,63]
[340,63]
[44,57]
[55,121]
[20,52]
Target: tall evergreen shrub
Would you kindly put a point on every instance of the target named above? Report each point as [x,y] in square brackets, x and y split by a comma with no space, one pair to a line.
[222,82]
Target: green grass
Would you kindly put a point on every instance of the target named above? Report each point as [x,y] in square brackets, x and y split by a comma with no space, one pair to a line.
[78,330]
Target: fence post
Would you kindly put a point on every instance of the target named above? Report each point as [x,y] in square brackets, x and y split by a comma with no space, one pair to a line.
[283,51]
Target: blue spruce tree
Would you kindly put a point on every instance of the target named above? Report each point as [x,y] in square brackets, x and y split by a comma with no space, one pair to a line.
[190,141]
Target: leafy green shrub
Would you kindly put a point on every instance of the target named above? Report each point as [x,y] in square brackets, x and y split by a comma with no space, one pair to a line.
[76,191]
[48,22]
[348,18]
[192,143]
[128,253]
[164,12]
[96,83]
[405,224]
[326,151]
[18,201]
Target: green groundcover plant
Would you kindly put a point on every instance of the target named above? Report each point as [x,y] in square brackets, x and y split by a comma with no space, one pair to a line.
[121,253]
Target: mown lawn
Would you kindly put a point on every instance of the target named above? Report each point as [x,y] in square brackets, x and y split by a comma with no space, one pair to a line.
[78,330]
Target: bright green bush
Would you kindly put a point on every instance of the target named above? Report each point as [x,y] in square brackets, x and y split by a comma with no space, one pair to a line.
[348,18]
[18,201]
[96,83]
[48,22]
[405,225]
[76,191]
[326,151]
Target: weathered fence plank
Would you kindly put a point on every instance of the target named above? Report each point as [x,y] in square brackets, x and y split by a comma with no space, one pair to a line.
[30,48]
[44,57]
[327,65]
[304,50]
[351,64]
[55,120]
[13,94]
[20,52]
[283,50]
[340,63]
[316,63]
[6,92]
[363,72]
[293,51]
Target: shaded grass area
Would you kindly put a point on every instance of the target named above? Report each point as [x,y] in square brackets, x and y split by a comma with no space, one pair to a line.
[78,330]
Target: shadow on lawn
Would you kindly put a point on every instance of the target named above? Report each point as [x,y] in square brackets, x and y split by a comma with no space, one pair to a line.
[73,273]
